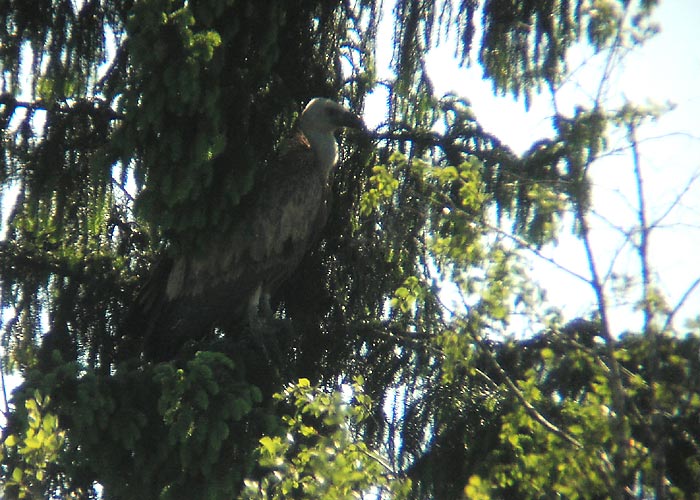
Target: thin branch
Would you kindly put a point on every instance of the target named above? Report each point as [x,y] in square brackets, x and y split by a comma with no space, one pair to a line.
[615,379]
[657,445]
[6,406]
[612,56]
[522,243]
[679,304]
[627,239]
[643,246]
[677,200]
[529,408]
[122,188]
[380,461]
[94,107]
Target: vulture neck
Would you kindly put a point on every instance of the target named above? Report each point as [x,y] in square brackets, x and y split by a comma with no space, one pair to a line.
[324,147]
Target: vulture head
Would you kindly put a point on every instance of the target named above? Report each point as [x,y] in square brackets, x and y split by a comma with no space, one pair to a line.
[322,115]
[320,119]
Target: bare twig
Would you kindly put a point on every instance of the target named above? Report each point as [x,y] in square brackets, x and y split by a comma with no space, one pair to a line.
[612,58]
[657,440]
[522,243]
[679,304]
[122,188]
[693,179]
[643,245]
[614,377]
[515,390]
[6,406]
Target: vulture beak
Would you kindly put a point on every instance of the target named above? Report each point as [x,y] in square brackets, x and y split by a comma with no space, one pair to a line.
[351,120]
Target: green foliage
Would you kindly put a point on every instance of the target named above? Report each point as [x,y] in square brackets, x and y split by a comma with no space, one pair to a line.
[405,296]
[319,455]
[33,451]
[138,128]
[198,403]
[180,428]
[384,186]
[565,379]
[547,465]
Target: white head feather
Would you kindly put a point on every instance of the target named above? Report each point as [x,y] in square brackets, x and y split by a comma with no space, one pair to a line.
[320,119]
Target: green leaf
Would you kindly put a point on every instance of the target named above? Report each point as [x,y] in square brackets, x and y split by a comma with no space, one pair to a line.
[32,442]
[271,446]
[307,431]
[49,423]
[11,440]
[17,475]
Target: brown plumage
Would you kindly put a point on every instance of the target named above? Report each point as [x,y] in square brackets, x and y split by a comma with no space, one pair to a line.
[231,282]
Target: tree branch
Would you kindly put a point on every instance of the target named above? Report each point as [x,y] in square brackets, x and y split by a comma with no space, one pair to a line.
[679,304]
[95,108]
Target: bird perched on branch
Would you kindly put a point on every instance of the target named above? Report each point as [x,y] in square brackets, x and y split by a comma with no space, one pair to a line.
[231,282]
